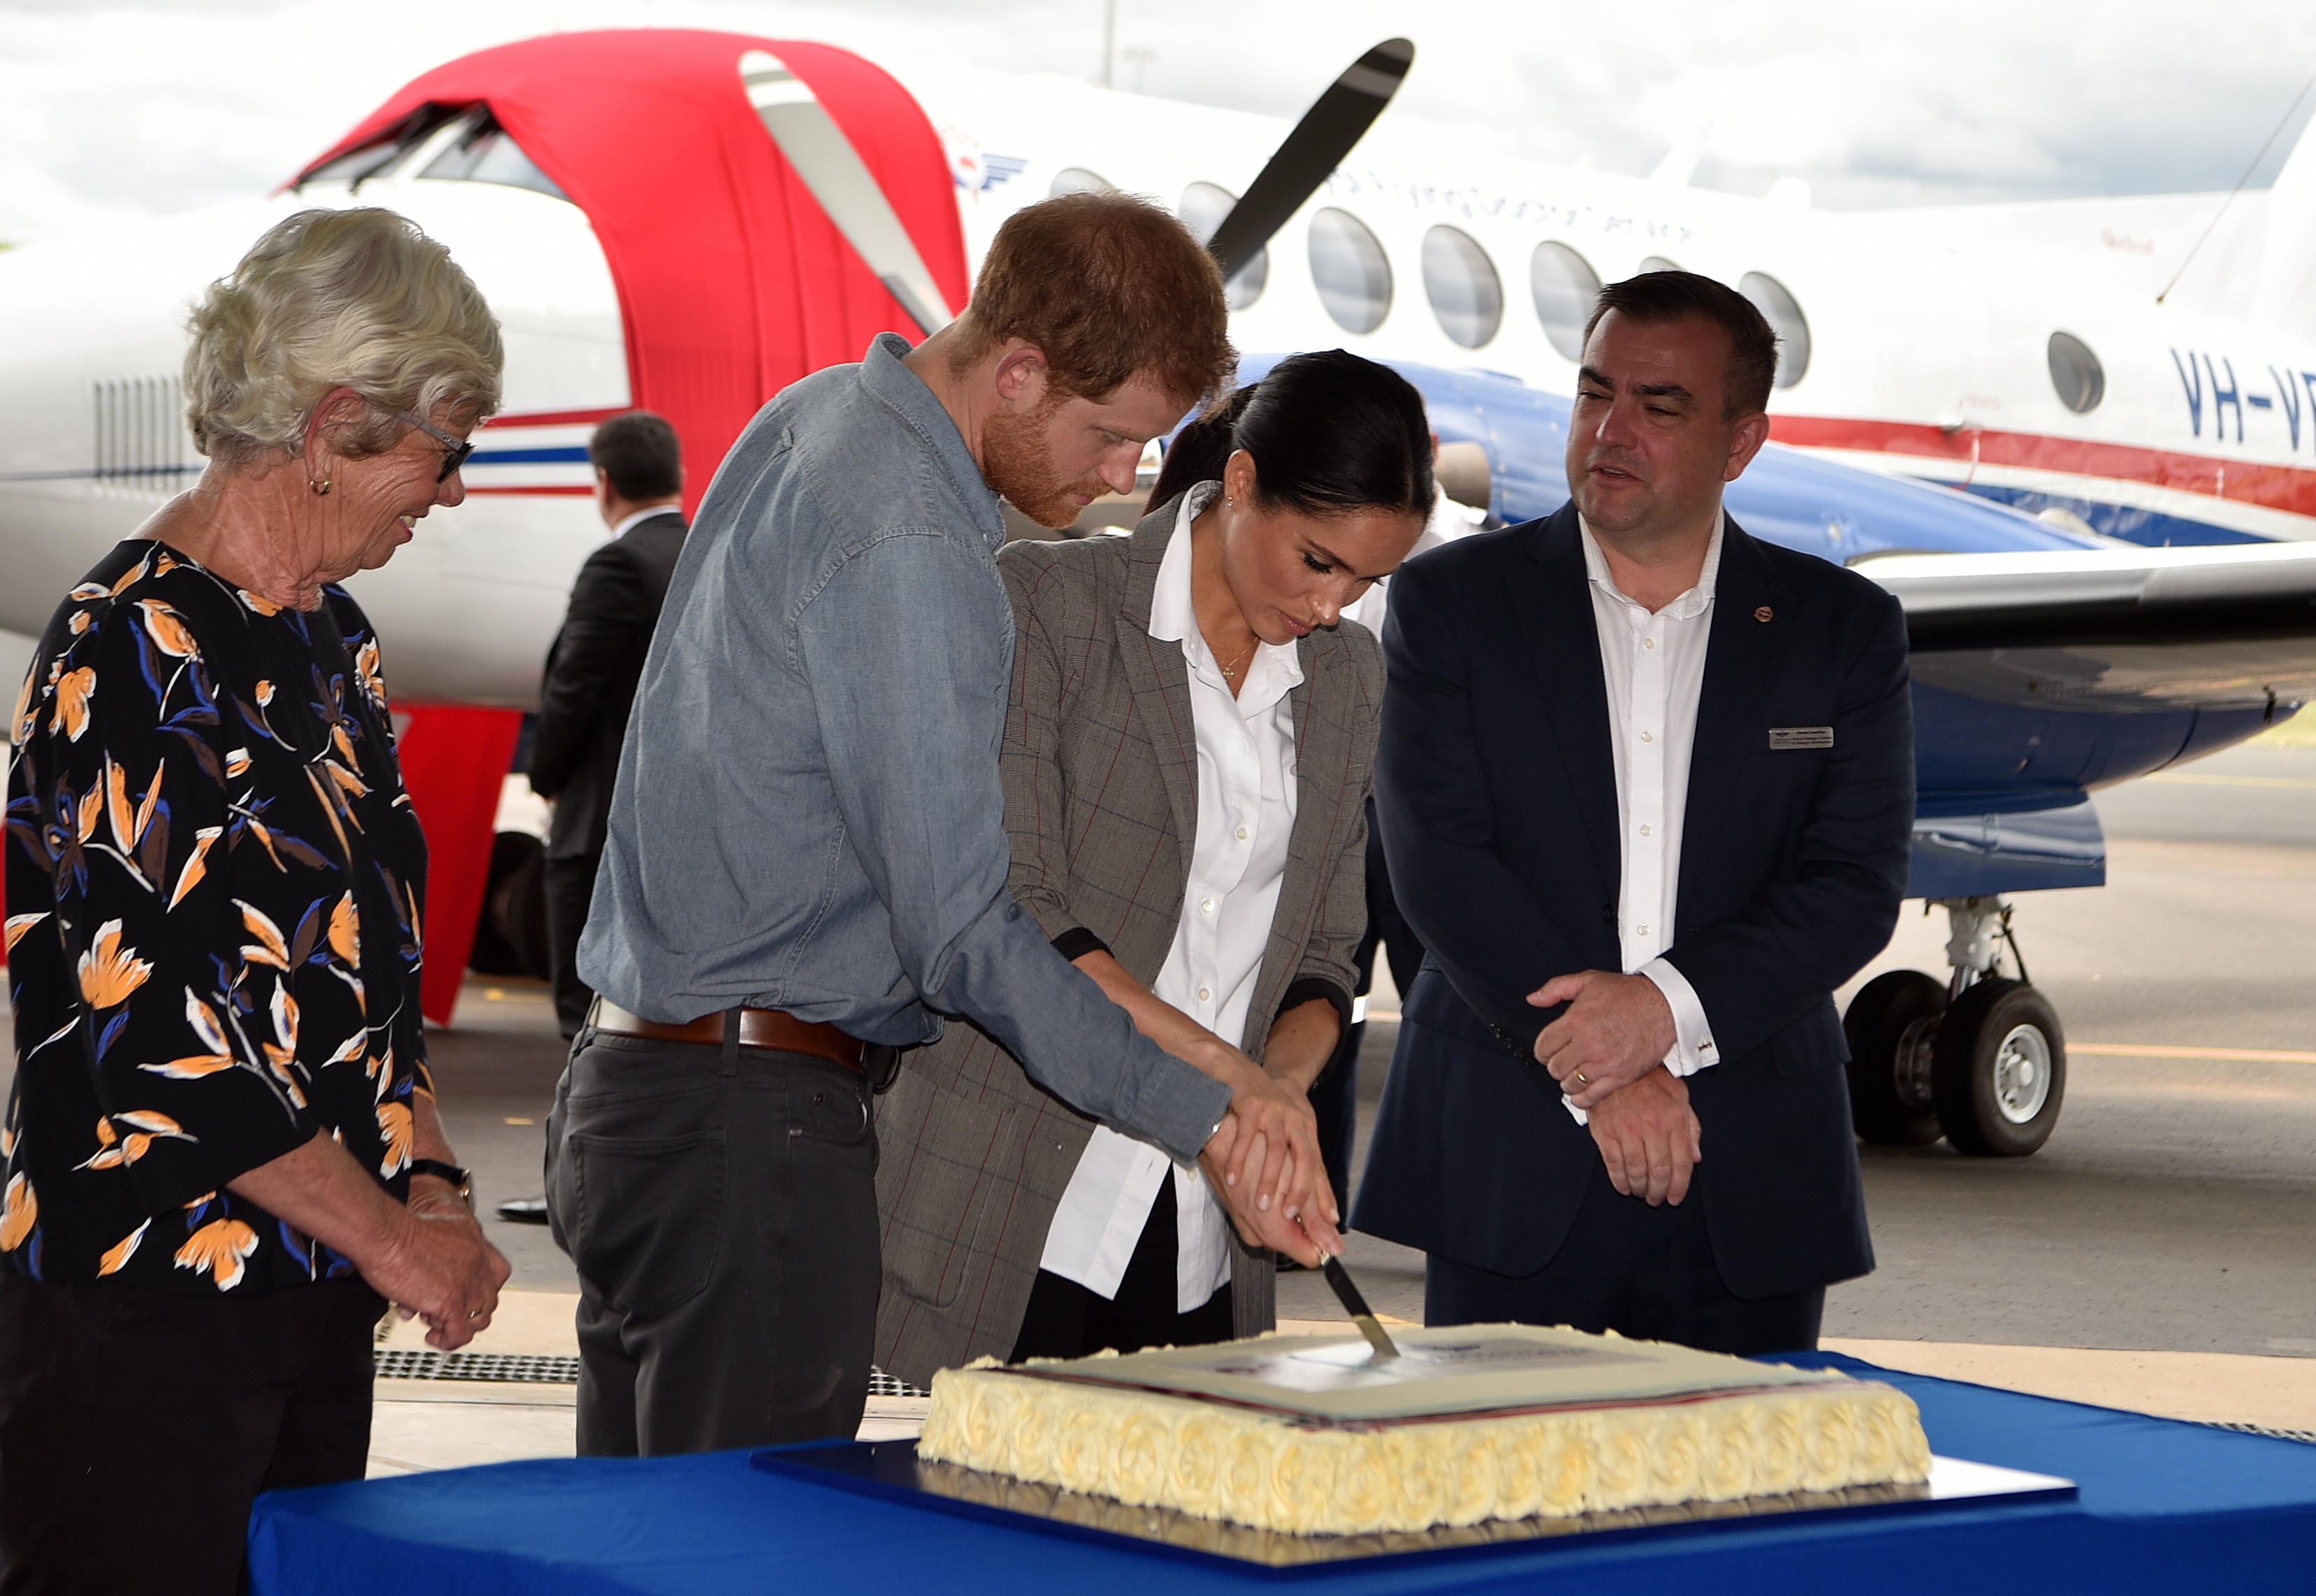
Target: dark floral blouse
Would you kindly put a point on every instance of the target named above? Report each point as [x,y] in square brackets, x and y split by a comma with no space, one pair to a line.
[213,893]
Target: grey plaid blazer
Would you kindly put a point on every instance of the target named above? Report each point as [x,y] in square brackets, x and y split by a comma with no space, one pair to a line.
[1100,776]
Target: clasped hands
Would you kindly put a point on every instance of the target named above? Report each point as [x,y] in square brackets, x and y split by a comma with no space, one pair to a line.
[1608,1054]
[1264,1162]
[445,1273]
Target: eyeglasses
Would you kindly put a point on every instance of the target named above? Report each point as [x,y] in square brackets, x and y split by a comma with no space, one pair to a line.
[459,449]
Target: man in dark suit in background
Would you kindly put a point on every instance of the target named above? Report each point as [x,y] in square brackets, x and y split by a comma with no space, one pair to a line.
[1651,781]
[592,668]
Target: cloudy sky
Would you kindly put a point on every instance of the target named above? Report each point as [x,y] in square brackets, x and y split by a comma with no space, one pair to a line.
[112,110]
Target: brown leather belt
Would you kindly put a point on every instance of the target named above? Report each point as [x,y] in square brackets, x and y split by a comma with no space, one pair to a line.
[773,1028]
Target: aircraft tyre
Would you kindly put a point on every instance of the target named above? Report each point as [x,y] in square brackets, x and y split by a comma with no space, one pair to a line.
[1998,1071]
[1889,1100]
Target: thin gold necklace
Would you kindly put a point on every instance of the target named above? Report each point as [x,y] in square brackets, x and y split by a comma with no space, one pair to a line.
[1230,673]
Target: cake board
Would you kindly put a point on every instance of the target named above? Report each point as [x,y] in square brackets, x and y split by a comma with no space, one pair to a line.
[891,1470]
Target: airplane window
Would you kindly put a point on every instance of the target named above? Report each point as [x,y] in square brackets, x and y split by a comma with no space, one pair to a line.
[356,165]
[1658,264]
[1563,285]
[1204,205]
[1077,179]
[484,153]
[1350,270]
[1461,283]
[2076,373]
[1775,302]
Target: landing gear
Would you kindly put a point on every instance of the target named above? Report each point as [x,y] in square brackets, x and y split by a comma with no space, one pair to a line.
[1979,1058]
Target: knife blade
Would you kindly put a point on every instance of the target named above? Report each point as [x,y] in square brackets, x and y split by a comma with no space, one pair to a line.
[1356,1306]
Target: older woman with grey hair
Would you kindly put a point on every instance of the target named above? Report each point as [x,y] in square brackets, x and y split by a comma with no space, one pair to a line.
[223,1152]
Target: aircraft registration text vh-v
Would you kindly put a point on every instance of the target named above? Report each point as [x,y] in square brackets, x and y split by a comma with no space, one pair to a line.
[689,221]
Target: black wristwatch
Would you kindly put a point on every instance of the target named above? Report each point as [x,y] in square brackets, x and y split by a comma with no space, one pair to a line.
[451,1172]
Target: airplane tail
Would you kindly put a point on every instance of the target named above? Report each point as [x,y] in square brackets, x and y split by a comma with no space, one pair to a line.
[2285,296]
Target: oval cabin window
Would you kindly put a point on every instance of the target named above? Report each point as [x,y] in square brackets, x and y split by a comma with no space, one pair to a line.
[1203,208]
[1563,285]
[1350,270]
[1461,283]
[2076,373]
[1784,313]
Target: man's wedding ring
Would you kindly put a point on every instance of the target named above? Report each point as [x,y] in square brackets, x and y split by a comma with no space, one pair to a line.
[1581,1081]
[474,1312]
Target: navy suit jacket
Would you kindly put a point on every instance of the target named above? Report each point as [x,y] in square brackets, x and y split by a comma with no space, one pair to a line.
[1495,787]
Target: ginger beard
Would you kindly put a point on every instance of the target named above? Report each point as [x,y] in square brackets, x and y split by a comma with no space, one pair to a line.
[1017,462]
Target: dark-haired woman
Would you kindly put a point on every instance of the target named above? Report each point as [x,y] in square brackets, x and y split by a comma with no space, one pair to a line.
[1187,759]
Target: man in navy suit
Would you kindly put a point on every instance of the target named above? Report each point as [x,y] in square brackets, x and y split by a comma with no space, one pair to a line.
[1646,788]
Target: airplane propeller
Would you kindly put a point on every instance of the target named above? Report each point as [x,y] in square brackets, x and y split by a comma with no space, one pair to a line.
[1336,121]
[841,181]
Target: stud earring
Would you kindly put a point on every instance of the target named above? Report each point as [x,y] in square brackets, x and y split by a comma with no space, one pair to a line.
[322,488]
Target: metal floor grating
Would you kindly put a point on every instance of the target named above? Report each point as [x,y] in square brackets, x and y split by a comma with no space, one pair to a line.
[521,1367]
[536,1369]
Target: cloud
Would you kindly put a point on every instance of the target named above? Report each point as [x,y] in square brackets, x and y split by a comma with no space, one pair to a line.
[114,110]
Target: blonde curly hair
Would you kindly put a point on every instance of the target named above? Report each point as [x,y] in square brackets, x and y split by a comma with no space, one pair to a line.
[337,298]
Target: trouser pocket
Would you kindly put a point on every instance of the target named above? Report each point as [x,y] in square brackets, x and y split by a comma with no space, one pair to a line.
[644,1215]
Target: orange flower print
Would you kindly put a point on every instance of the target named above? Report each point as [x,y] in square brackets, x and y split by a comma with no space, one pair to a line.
[23,719]
[168,631]
[74,690]
[136,574]
[192,1067]
[121,1250]
[145,1126]
[91,811]
[109,972]
[262,605]
[373,683]
[282,1053]
[196,866]
[18,1215]
[394,1125]
[237,762]
[18,924]
[345,932]
[79,622]
[217,1249]
[116,806]
[270,947]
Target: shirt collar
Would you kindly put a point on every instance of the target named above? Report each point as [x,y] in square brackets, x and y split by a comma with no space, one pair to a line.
[641,516]
[1273,668]
[884,375]
[1691,605]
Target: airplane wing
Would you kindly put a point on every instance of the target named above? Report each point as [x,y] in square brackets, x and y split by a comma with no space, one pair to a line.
[2230,626]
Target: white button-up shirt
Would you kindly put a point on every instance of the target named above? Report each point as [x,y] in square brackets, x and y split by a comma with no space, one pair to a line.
[1653,663]
[1238,859]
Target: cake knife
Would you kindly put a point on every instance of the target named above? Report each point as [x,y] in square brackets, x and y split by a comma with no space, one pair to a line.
[1356,1306]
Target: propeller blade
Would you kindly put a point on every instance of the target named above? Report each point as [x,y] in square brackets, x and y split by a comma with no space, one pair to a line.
[804,133]
[1317,146]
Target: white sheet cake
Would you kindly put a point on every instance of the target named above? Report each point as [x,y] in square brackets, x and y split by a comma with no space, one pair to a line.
[1314,1435]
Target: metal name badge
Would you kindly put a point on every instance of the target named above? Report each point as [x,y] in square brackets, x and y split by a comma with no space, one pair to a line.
[1800,736]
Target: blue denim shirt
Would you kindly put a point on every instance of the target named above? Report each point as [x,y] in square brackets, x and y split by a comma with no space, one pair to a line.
[807,815]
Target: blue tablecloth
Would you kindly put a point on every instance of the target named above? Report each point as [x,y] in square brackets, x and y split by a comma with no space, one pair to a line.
[2164,1506]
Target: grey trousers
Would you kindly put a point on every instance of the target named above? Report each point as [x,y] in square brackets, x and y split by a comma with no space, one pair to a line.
[721,1208]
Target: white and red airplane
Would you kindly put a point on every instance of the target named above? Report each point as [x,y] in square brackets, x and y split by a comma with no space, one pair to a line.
[688,221]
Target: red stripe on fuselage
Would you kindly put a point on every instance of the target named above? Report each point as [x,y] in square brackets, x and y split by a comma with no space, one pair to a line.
[555,418]
[2289,488]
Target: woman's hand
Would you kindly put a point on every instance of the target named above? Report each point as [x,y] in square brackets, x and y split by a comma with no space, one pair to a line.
[445,1270]
[1264,1163]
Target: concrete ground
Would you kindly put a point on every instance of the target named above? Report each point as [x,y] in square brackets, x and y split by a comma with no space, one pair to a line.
[2155,1255]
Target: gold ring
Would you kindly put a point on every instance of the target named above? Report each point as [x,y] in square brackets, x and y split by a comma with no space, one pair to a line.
[474,1312]
[1581,1081]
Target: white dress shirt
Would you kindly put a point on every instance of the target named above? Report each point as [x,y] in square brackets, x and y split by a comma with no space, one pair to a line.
[1653,665]
[641,516]
[1238,859]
